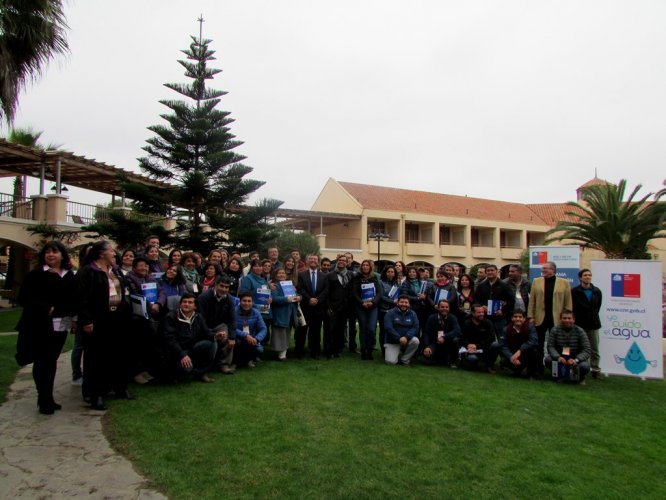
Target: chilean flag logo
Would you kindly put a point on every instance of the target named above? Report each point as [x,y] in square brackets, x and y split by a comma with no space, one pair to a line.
[539,258]
[626,286]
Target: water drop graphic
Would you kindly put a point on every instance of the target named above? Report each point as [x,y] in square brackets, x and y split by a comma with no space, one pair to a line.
[635,361]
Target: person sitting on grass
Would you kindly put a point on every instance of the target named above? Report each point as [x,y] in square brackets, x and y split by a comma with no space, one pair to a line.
[441,335]
[401,326]
[477,341]
[250,332]
[569,346]
[190,343]
[518,344]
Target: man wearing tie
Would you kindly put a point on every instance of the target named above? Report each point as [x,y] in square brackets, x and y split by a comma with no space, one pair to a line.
[313,288]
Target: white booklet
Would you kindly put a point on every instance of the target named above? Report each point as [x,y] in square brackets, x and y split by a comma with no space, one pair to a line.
[139,305]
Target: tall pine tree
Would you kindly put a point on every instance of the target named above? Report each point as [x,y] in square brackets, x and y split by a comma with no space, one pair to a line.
[194,151]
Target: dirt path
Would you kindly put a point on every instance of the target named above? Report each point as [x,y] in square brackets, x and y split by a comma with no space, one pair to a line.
[63,455]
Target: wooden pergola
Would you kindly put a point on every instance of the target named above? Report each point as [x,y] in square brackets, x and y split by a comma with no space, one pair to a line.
[64,167]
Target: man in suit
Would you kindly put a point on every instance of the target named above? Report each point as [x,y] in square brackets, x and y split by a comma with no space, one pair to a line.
[339,284]
[313,288]
[550,296]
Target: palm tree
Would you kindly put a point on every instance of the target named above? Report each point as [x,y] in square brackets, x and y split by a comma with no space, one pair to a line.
[27,137]
[24,137]
[604,221]
[32,32]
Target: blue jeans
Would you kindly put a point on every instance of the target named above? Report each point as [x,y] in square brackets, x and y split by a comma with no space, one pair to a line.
[367,325]
[499,324]
[77,354]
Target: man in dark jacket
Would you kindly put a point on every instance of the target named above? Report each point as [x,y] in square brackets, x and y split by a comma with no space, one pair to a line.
[476,341]
[519,286]
[402,329]
[337,307]
[217,310]
[568,347]
[441,336]
[503,300]
[190,343]
[518,345]
[586,299]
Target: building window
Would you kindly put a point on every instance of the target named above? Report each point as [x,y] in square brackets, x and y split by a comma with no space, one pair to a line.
[412,233]
[509,239]
[445,235]
[376,227]
[482,237]
[535,239]
[451,235]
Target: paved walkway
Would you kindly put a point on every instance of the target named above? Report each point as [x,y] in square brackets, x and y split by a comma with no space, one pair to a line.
[63,455]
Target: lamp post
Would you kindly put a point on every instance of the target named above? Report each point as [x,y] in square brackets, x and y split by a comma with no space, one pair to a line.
[379,236]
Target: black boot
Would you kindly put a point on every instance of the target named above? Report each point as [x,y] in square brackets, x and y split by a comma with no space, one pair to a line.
[369,355]
[364,356]
[45,408]
[97,403]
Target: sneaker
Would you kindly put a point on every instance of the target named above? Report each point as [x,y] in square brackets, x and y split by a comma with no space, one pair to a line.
[251,364]
[147,376]
[140,379]
[77,381]
[227,370]
[206,379]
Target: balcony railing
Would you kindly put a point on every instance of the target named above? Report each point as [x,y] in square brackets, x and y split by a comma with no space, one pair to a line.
[84,214]
[15,206]
[343,243]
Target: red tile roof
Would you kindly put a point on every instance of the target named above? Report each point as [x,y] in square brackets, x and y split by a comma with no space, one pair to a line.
[551,213]
[405,200]
[593,182]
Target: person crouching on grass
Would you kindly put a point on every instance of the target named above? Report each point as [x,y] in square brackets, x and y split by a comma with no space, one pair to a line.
[191,344]
[569,346]
[518,345]
[250,332]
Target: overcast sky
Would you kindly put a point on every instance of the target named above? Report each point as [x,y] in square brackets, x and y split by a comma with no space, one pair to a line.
[510,100]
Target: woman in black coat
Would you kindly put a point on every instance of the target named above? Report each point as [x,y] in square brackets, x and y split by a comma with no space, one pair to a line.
[48,296]
[104,315]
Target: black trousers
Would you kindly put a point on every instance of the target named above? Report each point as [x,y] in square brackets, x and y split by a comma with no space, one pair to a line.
[244,352]
[143,353]
[314,318]
[44,366]
[106,356]
[444,354]
[529,361]
[351,318]
[334,341]
[300,333]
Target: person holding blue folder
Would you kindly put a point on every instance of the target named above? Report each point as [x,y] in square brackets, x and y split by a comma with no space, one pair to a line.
[366,293]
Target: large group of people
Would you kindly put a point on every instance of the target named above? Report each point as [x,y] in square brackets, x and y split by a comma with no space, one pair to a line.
[138,317]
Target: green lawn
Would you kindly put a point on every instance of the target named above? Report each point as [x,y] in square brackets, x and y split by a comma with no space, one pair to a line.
[8,319]
[8,366]
[352,429]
